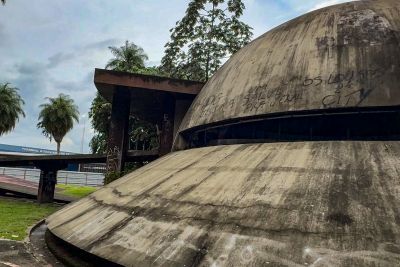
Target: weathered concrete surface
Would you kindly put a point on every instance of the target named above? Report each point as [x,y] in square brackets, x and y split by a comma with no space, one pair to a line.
[342,56]
[278,204]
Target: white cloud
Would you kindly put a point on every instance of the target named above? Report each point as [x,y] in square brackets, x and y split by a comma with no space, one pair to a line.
[327,3]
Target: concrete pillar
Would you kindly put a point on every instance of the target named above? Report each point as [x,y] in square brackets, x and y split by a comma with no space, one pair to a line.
[48,179]
[118,133]
[167,124]
[47,184]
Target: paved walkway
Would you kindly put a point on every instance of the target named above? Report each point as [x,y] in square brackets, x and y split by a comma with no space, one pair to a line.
[28,254]
[16,254]
[27,188]
[39,247]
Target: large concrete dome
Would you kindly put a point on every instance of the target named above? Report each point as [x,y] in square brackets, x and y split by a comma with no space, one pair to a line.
[342,56]
[281,204]
[309,173]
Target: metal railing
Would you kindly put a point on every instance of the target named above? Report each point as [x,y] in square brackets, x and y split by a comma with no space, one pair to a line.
[80,178]
[63,177]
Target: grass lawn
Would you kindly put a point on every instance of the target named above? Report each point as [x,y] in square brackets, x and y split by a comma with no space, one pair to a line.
[17,215]
[75,190]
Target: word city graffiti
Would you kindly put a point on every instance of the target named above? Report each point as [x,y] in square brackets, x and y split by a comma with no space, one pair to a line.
[340,99]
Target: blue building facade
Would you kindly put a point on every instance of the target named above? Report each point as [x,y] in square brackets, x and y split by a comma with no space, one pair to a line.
[29,150]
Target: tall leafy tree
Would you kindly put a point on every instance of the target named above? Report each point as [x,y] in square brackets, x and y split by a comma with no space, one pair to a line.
[209,32]
[100,114]
[128,58]
[11,110]
[57,117]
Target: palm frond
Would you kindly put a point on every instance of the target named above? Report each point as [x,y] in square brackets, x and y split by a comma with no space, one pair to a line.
[11,109]
[129,58]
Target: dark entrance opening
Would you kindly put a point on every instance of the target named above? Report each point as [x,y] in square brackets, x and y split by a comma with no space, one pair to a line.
[354,125]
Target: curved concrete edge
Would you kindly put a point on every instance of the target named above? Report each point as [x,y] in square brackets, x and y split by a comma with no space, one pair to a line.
[38,247]
[29,231]
[73,256]
[29,246]
[60,251]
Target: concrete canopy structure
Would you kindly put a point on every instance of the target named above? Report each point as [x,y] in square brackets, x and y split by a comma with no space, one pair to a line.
[310,175]
[147,93]
[159,100]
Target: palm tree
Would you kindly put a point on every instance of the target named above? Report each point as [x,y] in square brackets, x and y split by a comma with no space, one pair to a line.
[129,58]
[57,117]
[10,108]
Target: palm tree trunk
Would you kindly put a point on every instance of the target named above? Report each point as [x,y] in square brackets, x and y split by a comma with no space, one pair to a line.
[58,148]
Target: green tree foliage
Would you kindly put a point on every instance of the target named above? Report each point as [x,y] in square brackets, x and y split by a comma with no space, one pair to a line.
[57,117]
[11,110]
[128,58]
[143,135]
[100,113]
[209,32]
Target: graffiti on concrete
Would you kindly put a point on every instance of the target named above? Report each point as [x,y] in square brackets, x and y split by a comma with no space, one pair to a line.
[113,159]
[350,88]
[260,96]
[354,98]
[347,79]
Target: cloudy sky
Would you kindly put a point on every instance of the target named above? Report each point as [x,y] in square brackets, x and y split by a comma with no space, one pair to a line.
[49,47]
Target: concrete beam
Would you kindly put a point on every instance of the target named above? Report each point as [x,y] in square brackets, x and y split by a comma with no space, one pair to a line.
[107,81]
